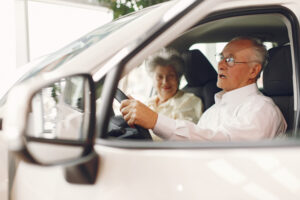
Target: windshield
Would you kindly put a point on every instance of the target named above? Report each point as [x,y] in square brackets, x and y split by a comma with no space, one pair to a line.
[56,59]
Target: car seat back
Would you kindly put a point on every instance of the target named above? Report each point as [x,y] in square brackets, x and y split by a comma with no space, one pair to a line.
[278,82]
[201,77]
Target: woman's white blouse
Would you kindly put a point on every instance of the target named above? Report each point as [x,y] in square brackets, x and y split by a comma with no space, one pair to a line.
[182,105]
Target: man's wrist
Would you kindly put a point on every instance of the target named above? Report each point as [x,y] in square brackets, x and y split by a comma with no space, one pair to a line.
[155,116]
[164,126]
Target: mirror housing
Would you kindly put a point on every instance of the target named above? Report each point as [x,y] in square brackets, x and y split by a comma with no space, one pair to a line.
[50,122]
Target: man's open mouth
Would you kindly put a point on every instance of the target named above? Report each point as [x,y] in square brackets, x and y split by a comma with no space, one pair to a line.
[222,76]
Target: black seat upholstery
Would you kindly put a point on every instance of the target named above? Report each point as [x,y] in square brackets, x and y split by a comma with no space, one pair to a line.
[201,77]
[278,81]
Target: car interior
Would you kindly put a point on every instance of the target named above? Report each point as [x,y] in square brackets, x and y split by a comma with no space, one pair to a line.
[201,77]
[200,74]
[278,82]
[271,28]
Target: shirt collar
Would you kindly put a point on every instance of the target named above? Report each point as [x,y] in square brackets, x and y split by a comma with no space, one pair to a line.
[237,95]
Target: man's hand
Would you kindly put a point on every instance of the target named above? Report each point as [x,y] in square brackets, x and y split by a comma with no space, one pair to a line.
[137,113]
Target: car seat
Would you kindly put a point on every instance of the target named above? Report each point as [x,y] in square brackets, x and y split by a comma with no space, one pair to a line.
[278,82]
[201,77]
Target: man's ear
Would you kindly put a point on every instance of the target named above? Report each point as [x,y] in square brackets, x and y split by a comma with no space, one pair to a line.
[255,70]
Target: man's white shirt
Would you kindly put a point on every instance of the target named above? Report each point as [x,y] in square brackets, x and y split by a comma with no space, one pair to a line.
[241,114]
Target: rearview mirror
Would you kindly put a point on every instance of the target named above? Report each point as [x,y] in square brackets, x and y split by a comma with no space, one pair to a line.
[60,120]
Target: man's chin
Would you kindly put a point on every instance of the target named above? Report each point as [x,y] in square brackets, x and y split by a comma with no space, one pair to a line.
[220,84]
[223,86]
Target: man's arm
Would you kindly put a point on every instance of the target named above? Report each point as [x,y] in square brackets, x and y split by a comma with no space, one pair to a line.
[250,124]
[171,129]
[136,113]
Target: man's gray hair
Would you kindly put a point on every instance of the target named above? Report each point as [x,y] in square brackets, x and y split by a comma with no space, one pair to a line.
[166,57]
[261,53]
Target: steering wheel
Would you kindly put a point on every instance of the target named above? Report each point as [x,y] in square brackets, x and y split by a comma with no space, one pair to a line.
[119,128]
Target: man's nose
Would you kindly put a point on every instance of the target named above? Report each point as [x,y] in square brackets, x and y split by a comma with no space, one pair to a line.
[222,65]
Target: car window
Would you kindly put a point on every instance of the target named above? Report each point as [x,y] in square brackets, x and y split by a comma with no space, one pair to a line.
[208,38]
[138,83]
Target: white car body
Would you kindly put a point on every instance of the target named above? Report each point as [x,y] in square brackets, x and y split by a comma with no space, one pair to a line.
[265,170]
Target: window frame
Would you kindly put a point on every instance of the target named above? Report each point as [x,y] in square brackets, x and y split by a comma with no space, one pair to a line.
[295,44]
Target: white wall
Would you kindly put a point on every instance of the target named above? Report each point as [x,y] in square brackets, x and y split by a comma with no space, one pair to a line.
[52,26]
[8,62]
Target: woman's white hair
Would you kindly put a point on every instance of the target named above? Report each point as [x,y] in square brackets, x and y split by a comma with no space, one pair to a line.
[164,58]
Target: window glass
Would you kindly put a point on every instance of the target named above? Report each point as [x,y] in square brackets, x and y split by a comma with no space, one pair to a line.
[210,50]
[139,84]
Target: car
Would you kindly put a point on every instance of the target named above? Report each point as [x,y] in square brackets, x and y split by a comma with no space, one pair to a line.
[60,116]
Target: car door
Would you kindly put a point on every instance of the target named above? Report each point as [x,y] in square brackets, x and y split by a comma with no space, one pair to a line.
[246,170]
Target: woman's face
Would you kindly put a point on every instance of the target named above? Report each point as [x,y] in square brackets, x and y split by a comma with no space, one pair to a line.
[165,82]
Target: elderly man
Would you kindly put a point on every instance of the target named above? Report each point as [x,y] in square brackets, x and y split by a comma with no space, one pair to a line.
[240,113]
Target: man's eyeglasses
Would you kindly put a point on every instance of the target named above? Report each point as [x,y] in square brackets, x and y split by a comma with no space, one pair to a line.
[230,61]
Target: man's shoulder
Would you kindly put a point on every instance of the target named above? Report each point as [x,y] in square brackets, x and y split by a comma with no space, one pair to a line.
[261,98]
[260,102]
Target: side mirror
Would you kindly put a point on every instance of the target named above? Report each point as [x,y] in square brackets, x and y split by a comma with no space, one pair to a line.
[60,121]
[51,121]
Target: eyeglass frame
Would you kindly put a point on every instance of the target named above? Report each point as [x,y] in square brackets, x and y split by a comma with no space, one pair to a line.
[220,57]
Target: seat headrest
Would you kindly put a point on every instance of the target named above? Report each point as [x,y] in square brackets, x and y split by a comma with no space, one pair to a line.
[198,69]
[277,75]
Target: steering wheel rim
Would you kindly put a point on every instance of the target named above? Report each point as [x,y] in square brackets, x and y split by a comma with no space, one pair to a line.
[141,133]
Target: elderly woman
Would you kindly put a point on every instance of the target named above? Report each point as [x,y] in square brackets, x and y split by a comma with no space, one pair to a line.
[166,69]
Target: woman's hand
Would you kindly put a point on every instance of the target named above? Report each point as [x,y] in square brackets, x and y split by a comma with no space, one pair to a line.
[137,113]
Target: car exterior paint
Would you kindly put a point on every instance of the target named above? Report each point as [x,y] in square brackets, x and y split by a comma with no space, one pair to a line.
[259,170]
